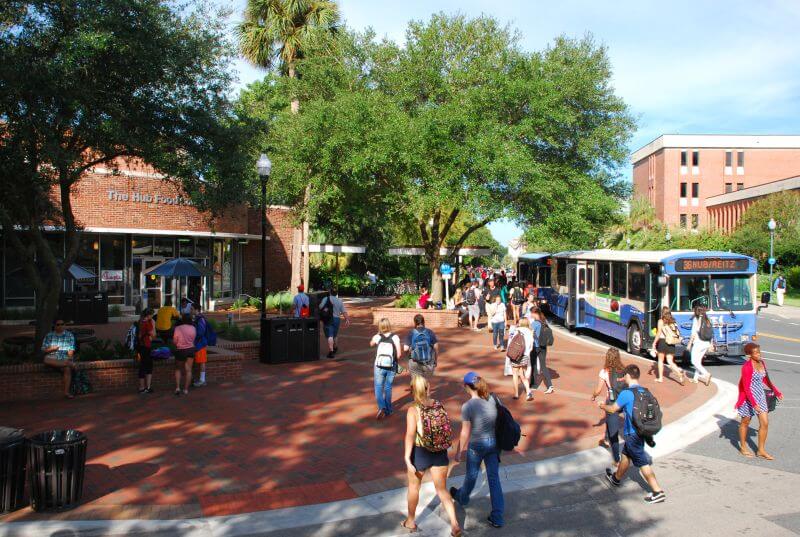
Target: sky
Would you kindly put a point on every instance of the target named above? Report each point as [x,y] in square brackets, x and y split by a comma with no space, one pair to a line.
[688,67]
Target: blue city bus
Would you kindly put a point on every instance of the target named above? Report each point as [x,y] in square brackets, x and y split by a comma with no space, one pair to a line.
[620,294]
[534,268]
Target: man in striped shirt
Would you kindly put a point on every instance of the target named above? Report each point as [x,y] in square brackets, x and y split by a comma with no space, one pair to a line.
[59,349]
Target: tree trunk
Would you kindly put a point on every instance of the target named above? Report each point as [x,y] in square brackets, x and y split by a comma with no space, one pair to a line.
[297,245]
[437,284]
[306,250]
[46,311]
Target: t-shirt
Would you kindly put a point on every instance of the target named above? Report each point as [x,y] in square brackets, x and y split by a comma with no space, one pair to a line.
[164,317]
[431,336]
[65,341]
[184,336]
[423,300]
[482,414]
[499,314]
[300,300]
[536,328]
[625,402]
[338,305]
[489,294]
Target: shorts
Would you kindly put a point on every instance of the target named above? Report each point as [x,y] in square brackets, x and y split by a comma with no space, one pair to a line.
[665,348]
[422,459]
[201,355]
[425,371]
[181,355]
[474,311]
[634,450]
[332,329]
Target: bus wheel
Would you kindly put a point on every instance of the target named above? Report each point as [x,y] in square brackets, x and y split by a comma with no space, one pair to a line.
[634,339]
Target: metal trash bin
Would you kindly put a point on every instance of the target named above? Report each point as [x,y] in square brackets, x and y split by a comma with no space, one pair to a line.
[12,469]
[56,467]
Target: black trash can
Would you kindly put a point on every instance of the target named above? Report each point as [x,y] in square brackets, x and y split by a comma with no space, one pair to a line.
[56,467]
[274,340]
[12,469]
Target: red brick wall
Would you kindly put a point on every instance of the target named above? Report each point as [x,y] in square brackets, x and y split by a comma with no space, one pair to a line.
[279,250]
[28,382]
[404,317]
[248,349]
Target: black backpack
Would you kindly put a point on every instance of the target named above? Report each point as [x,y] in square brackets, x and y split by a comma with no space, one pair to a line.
[506,429]
[647,415]
[470,296]
[706,332]
[326,311]
[546,336]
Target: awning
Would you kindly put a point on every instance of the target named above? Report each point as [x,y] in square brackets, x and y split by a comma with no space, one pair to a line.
[336,249]
[80,273]
[418,250]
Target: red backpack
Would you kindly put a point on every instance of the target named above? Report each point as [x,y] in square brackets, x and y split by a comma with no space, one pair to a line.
[516,348]
[435,425]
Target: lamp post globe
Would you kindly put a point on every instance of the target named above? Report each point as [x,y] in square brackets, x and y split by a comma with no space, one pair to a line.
[668,236]
[264,168]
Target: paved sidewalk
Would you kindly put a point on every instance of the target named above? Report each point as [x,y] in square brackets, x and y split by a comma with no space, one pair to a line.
[303,434]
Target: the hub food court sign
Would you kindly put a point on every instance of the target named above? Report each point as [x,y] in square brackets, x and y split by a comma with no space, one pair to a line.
[142,197]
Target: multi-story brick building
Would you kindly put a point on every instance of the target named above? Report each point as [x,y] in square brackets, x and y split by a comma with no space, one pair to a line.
[686,178]
[133,219]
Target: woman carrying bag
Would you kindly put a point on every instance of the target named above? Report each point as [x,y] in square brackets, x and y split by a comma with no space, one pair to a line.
[386,366]
[667,337]
[700,342]
[757,397]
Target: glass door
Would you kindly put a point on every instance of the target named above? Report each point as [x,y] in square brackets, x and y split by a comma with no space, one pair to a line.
[152,286]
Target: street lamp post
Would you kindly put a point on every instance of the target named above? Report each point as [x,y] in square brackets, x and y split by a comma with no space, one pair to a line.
[771,225]
[264,167]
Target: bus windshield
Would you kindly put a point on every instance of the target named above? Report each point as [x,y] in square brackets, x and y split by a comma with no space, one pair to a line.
[718,293]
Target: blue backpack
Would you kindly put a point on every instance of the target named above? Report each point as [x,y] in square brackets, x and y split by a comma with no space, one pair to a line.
[421,348]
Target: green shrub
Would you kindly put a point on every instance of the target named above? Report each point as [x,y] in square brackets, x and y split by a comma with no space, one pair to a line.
[249,334]
[793,278]
[115,311]
[407,301]
[254,302]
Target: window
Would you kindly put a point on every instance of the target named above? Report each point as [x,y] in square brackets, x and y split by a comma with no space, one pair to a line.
[164,247]
[561,272]
[637,282]
[142,245]
[695,221]
[619,283]
[544,277]
[112,268]
[731,293]
[590,277]
[740,159]
[739,186]
[202,248]
[185,247]
[695,190]
[683,158]
[223,268]
[683,220]
[688,292]
[728,159]
[683,190]
[695,158]
[728,187]
[604,278]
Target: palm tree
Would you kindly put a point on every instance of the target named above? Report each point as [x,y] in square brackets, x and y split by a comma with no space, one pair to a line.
[275,34]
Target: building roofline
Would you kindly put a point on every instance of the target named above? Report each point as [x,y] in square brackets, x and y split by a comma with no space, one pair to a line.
[721,141]
[758,191]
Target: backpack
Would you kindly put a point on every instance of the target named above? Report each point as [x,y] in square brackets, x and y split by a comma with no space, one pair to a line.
[207,331]
[546,336]
[615,385]
[211,334]
[671,334]
[706,332]
[516,296]
[326,310]
[516,348]
[132,337]
[161,353]
[506,429]
[305,312]
[435,425]
[470,296]
[646,416]
[80,385]
[421,348]
[386,357]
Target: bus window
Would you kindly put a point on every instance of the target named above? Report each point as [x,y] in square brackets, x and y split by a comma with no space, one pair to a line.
[561,272]
[590,277]
[544,277]
[688,292]
[731,293]
[637,286]
[603,278]
[619,282]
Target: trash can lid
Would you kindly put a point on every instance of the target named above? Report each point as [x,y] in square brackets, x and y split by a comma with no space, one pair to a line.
[63,436]
[9,435]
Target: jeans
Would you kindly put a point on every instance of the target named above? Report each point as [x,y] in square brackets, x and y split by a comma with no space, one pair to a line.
[383,389]
[541,357]
[483,450]
[498,334]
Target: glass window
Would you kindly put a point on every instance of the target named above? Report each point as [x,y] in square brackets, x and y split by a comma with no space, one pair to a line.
[688,292]
[561,272]
[202,248]
[695,158]
[695,221]
[142,246]
[223,268]
[637,282]
[581,281]
[728,187]
[185,247]
[164,247]
[740,159]
[590,277]
[728,158]
[695,190]
[619,283]
[88,258]
[604,278]
[683,220]
[683,158]
[18,287]
[731,293]
[544,277]
[112,268]
[739,186]
[683,190]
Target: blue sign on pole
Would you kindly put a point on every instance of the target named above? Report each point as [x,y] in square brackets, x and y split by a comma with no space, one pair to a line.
[444,268]
[771,260]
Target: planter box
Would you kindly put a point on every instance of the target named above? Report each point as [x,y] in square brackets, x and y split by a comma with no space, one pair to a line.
[404,317]
[248,349]
[29,382]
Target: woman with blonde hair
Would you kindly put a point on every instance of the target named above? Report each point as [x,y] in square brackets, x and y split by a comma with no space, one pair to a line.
[428,435]
[385,368]
[520,365]
[611,380]
[667,337]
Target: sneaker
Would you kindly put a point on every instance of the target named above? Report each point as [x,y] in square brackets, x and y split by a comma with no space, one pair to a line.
[177,393]
[655,497]
[492,523]
[454,494]
[149,390]
[335,349]
[549,390]
[530,396]
[380,415]
[331,355]
[198,383]
[612,478]
[142,390]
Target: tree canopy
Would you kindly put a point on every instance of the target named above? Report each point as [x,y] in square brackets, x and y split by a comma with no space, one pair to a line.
[752,235]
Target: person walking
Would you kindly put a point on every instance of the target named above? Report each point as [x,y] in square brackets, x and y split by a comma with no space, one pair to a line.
[520,364]
[753,400]
[544,340]
[779,287]
[610,380]
[423,349]
[301,303]
[183,337]
[498,322]
[386,362]
[478,418]
[59,352]
[667,337]
[200,345]
[528,305]
[164,317]
[145,332]
[701,340]
[331,312]
[517,300]
[471,296]
[490,294]
[427,437]
[633,452]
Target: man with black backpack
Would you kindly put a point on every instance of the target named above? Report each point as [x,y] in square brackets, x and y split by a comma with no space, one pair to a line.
[331,310]
[471,298]
[642,422]
[423,348]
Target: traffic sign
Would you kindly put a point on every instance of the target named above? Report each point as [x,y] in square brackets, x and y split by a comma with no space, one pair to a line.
[771,260]
[444,268]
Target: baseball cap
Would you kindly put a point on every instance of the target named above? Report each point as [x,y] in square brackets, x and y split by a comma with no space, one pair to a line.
[470,378]
[300,288]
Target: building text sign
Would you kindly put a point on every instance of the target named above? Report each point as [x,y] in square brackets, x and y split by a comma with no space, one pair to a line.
[142,197]
[111,275]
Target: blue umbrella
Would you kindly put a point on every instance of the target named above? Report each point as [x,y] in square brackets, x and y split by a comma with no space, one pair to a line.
[179,267]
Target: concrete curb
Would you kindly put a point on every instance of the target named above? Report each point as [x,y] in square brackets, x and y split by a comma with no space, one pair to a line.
[679,434]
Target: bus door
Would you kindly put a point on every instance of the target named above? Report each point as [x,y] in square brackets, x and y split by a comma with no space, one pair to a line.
[581,295]
[576,285]
[655,297]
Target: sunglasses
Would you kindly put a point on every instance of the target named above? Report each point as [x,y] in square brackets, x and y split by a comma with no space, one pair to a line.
[59,324]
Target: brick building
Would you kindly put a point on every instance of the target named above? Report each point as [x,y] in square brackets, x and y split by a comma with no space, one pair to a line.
[689,179]
[133,220]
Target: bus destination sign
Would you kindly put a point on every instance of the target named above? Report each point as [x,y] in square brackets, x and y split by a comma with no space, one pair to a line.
[711,264]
